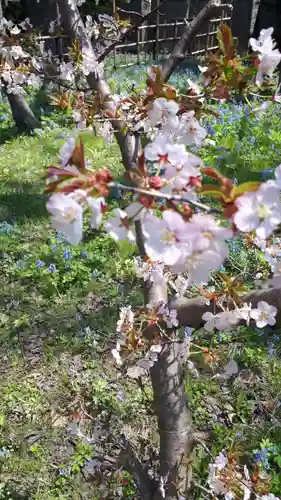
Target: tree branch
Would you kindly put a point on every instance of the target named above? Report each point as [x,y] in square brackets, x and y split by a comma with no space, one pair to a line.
[75,29]
[166,196]
[190,311]
[191,30]
[124,35]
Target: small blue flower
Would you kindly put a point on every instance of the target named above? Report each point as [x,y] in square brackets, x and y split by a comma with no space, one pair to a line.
[67,254]
[84,254]
[247,113]
[271,349]
[238,435]
[3,118]
[40,263]
[65,472]
[120,396]
[60,237]
[266,174]
[95,274]
[6,228]
[4,453]
[52,268]
[187,332]
[261,458]
[54,247]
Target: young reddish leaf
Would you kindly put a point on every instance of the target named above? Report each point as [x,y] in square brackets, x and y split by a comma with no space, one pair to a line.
[244,188]
[211,190]
[60,172]
[78,157]
[215,174]
[226,42]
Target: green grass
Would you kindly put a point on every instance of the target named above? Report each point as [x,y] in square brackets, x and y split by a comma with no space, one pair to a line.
[55,328]
[59,306]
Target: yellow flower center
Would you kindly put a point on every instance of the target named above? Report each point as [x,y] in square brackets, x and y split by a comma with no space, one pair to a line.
[263,211]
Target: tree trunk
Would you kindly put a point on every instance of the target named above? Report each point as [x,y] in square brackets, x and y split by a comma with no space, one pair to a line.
[24,118]
[174,421]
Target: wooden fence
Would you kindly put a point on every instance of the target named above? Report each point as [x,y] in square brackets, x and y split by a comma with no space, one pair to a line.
[155,41]
[150,42]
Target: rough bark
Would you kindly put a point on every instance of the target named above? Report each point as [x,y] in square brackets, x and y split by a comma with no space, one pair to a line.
[23,116]
[174,421]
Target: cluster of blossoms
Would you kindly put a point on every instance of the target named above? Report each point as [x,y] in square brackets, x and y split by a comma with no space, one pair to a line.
[17,67]
[264,314]
[20,68]
[229,481]
[166,182]
[131,327]
[268,56]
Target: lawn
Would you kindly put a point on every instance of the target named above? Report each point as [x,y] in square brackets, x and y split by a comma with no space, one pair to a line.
[64,408]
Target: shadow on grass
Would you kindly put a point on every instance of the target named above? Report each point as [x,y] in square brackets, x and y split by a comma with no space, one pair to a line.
[9,133]
[22,200]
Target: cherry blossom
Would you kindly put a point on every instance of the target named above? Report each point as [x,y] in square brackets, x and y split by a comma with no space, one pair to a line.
[66,151]
[15,30]
[205,233]
[221,461]
[264,314]
[225,320]
[199,264]
[164,111]
[90,63]
[17,53]
[67,71]
[214,482]
[116,354]
[211,321]
[260,211]
[34,81]
[118,226]
[244,312]
[149,271]
[96,206]
[268,56]
[66,216]
[264,41]
[189,130]
[160,149]
[126,318]
[165,237]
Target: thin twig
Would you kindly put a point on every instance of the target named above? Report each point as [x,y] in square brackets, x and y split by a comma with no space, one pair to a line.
[200,487]
[165,196]
[140,21]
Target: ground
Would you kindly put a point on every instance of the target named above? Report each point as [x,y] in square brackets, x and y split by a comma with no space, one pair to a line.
[64,406]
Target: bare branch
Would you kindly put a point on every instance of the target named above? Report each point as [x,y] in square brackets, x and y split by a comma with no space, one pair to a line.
[124,35]
[165,196]
[191,30]
[190,311]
